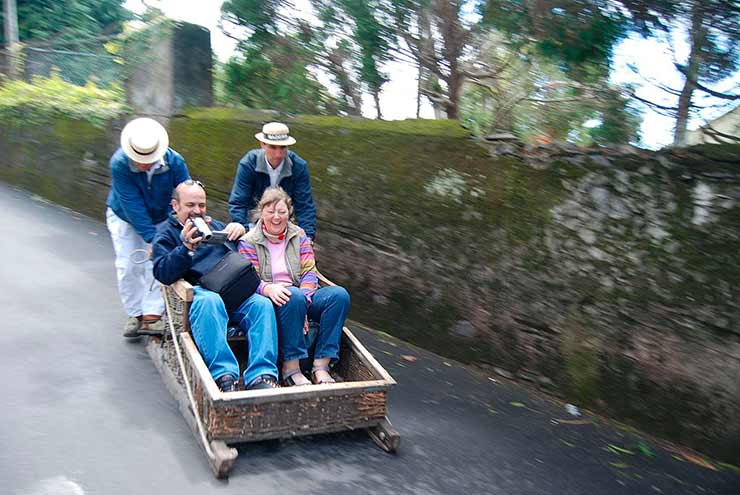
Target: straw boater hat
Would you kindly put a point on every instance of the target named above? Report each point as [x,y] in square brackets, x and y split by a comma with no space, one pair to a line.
[144,140]
[275,133]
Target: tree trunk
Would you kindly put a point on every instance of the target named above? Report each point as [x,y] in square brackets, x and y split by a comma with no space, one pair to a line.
[454,83]
[10,15]
[454,37]
[376,97]
[418,92]
[691,74]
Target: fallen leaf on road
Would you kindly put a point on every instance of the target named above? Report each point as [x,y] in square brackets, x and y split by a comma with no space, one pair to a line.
[645,449]
[572,421]
[388,353]
[724,465]
[619,465]
[518,404]
[408,357]
[698,461]
[619,450]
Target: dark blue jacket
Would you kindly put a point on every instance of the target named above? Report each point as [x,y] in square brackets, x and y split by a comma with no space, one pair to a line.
[134,200]
[171,259]
[252,178]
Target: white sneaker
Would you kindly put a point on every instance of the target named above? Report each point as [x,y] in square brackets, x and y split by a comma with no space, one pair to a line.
[131,328]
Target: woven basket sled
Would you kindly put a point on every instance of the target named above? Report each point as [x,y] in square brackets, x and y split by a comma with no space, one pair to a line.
[220,420]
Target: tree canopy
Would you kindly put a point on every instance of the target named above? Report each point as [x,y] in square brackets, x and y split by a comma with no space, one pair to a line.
[711,30]
[71,21]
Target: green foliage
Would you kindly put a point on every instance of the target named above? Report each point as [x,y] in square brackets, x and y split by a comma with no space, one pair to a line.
[261,16]
[72,22]
[713,29]
[619,121]
[371,37]
[272,69]
[577,34]
[348,42]
[276,78]
[44,98]
[135,46]
[525,93]
[710,30]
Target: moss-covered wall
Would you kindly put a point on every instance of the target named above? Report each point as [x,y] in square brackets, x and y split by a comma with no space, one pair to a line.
[607,277]
[63,160]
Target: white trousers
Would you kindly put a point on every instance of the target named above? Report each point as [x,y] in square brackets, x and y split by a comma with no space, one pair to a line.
[139,290]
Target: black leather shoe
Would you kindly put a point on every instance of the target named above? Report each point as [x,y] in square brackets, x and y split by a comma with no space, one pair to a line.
[263,382]
[227,383]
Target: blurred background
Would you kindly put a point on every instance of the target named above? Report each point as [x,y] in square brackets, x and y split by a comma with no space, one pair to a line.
[643,72]
[546,189]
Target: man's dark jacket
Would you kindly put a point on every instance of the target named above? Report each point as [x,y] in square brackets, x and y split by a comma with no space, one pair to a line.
[172,260]
[252,178]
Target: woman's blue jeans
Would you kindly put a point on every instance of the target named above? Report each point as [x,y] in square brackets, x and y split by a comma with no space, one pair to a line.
[209,324]
[328,307]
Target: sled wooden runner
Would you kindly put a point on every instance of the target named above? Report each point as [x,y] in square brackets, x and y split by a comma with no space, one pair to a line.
[221,420]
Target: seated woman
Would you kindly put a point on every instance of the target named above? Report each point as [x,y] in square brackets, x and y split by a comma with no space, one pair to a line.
[283,257]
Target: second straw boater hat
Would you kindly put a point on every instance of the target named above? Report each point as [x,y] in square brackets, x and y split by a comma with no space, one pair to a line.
[144,140]
[275,133]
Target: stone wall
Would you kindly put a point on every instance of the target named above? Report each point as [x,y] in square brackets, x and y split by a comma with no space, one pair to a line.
[608,277]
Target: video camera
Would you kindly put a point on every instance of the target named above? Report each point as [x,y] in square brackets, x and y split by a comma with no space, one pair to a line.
[209,236]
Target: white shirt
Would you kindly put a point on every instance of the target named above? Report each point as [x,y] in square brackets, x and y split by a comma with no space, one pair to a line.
[150,170]
[274,172]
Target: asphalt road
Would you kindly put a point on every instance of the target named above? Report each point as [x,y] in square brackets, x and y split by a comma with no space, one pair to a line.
[85,412]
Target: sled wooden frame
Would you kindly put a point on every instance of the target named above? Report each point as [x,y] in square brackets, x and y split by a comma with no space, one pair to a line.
[227,419]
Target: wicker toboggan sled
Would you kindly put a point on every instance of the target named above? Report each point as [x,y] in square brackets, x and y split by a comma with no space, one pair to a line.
[220,420]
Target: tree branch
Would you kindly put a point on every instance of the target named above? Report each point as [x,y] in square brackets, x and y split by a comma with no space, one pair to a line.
[719,136]
[717,94]
[653,104]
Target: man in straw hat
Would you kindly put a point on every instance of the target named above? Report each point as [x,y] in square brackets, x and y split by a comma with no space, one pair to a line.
[144,172]
[273,165]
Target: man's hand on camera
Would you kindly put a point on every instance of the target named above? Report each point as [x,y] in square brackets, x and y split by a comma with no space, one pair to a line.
[235,230]
[191,235]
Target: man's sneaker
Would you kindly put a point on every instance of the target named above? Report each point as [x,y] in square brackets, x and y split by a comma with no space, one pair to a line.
[227,383]
[131,328]
[263,382]
[151,327]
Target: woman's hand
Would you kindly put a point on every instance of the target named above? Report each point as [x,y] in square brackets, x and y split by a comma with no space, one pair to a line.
[278,293]
[305,326]
[235,230]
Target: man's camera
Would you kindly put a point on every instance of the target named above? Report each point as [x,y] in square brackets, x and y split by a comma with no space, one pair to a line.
[209,236]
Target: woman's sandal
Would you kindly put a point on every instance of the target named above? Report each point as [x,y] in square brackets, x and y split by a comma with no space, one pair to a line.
[320,382]
[288,380]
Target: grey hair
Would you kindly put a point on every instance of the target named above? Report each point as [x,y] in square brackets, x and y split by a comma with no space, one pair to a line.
[272,195]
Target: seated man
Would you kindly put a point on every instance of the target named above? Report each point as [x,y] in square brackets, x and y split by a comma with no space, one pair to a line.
[179,253]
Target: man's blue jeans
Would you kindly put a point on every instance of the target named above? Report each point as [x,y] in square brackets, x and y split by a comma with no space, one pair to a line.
[328,307]
[256,318]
